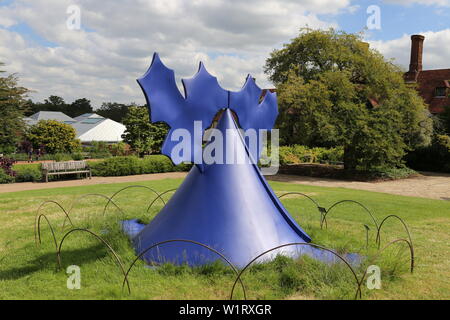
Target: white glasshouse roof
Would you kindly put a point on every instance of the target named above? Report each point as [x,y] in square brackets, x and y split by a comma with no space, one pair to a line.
[89,126]
[97,129]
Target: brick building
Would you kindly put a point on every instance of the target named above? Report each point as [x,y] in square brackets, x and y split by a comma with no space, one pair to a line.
[433,85]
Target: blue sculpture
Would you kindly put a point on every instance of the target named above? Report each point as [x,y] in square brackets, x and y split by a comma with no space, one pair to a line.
[229,207]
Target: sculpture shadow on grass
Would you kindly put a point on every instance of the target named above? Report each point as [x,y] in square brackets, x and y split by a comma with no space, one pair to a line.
[80,256]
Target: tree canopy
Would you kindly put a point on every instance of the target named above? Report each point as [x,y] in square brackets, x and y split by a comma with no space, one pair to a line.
[334,90]
[56,103]
[54,137]
[114,111]
[12,108]
[142,135]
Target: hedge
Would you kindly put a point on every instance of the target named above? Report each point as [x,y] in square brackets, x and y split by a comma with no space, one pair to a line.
[297,154]
[131,165]
[60,156]
[433,158]
[5,178]
[28,172]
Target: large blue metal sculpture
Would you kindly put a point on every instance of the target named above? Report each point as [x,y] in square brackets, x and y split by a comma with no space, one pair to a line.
[229,207]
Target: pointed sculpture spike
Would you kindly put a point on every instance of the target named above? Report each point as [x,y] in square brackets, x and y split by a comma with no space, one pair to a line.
[203,99]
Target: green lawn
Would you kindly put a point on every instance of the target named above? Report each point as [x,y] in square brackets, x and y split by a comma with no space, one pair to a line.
[27,271]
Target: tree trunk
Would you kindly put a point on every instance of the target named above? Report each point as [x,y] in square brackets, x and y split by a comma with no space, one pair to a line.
[349,159]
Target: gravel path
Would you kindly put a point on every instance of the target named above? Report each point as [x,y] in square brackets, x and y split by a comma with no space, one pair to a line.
[429,185]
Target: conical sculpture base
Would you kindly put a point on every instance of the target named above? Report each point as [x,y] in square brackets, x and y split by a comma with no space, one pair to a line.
[228,207]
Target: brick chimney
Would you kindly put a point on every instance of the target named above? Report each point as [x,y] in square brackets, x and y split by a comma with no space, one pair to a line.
[415,65]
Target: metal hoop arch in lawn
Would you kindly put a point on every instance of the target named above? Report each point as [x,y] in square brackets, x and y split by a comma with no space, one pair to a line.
[108,246]
[373,259]
[39,209]
[322,210]
[129,187]
[193,242]
[374,220]
[78,199]
[39,231]
[378,239]
[358,290]
[160,197]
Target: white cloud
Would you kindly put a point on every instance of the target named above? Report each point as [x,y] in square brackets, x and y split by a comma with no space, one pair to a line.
[444,3]
[436,53]
[118,38]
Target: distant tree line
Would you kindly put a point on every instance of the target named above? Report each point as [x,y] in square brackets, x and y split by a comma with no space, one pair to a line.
[112,110]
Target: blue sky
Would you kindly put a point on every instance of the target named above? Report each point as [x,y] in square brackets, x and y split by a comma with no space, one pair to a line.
[117,38]
[396,19]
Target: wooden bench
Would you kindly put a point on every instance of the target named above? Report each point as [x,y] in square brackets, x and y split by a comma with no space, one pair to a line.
[67,167]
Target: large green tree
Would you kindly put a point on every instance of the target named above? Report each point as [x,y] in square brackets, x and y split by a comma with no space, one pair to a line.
[114,111]
[142,135]
[54,136]
[79,107]
[334,90]
[12,107]
[444,120]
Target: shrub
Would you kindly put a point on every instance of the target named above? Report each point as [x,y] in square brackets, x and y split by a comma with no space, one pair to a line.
[131,165]
[117,166]
[6,165]
[58,157]
[99,155]
[433,158]
[157,164]
[120,149]
[331,155]
[391,173]
[57,137]
[296,154]
[5,178]
[28,172]
[18,156]
[77,156]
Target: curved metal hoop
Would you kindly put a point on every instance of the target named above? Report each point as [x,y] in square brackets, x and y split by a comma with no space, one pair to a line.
[322,210]
[39,230]
[378,239]
[92,195]
[128,187]
[351,201]
[116,256]
[411,250]
[296,244]
[37,216]
[160,197]
[187,241]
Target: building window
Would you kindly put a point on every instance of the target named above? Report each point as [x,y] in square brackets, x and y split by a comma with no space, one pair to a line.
[441,92]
